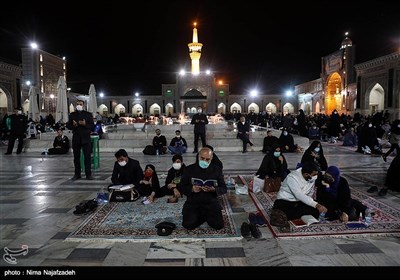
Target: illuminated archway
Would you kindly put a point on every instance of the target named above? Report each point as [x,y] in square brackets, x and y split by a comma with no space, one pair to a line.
[221,108]
[288,108]
[271,108]
[307,110]
[137,110]
[103,110]
[119,109]
[25,106]
[333,98]
[236,108]
[155,109]
[253,107]
[169,109]
[317,108]
[376,99]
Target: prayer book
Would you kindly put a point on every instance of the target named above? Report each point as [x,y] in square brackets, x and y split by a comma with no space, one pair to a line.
[304,221]
[204,183]
[122,187]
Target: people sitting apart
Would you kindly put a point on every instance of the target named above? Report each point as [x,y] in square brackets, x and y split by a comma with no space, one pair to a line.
[334,193]
[174,177]
[391,180]
[126,170]
[149,185]
[313,132]
[315,154]
[31,131]
[202,204]
[350,138]
[295,197]
[273,165]
[269,141]
[160,142]
[286,142]
[60,144]
[178,144]
[243,128]
[215,159]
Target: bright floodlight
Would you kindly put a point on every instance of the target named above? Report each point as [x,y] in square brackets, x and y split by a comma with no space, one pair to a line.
[101,94]
[34,45]
[253,93]
[289,93]
[51,95]
[208,72]
[137,94]
[182,72]
[28,83]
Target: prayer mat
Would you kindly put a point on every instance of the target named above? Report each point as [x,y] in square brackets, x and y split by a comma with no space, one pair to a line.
[135,222]
[385,221]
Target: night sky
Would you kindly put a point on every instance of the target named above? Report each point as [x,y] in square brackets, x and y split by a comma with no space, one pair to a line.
[124,48]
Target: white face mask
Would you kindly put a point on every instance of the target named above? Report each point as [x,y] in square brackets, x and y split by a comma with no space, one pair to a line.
[199,111]
[370,125]
[285,133]
[313,178]
[19,112]
[79,107]
[242,122]
[122,163]
[177,165]
[398,125]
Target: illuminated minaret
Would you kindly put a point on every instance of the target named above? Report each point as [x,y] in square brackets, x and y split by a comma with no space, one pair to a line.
[195,52]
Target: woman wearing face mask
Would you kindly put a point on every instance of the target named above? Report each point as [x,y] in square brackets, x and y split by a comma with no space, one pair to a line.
[295,197]
[174,177]
[149,186]
[315,154]
[368,141]
[333,191]
[126,170]
[202,204]
[273,165]
[286,142]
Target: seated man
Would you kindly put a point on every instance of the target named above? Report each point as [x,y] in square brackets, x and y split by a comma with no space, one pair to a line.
[178,144]
[126,170]
[174,177]
[60,144]
[160,142]
[295,197]
[269,141]
[215,159]
[202,203]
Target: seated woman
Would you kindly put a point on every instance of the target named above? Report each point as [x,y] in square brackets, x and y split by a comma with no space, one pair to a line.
[273,165]
[149,186]
[315,154]
[174,177]
[269,142]
[286,142]
[60,144]
[334,193]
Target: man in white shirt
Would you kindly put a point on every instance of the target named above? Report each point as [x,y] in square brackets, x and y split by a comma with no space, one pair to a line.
[295,197]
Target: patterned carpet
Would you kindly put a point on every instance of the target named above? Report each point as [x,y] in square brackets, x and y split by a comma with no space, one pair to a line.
[386,220]
[135,222]
[371,178]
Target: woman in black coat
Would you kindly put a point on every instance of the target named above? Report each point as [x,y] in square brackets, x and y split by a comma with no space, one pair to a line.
[274,165]
[315,154]
[334,193]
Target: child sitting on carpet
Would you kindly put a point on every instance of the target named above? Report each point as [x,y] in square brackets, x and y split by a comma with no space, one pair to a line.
[149,186]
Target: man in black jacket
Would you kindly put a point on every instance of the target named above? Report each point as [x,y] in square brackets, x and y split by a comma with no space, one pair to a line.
[202,203]
[126,170]
[81,124]
[18,130]
[160,142]
[199,120]
[243,128]
[60,144]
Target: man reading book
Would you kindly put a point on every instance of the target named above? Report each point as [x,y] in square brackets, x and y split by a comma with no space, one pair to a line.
[202,183]
[126,170]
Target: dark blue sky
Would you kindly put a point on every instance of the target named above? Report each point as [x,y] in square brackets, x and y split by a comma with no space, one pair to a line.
[123,49]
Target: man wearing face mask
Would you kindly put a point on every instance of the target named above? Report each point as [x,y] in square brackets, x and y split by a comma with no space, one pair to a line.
[18,129]
[178,144]
[295,197]
[81,123]
[174,177]
[202,203]
[126,170]
[199,120]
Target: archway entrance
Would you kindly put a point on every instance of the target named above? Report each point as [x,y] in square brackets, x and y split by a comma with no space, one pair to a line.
[333,99]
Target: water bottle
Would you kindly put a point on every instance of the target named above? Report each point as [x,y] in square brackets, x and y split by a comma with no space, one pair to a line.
[228,181]
[360,218]
[157,152]
[322,216]
[368,217]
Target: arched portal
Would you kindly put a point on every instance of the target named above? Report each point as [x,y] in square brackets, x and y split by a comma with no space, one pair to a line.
[236,108]
[271,108]
[333,99]
[376,99]
[253,107]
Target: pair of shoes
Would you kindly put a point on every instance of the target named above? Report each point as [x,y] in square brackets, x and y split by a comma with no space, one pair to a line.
[245,151]
[76,177]
[257,219]
[90,177]
[372,189]
[7,153]
[255,231]
[383,192]
[384,158]
[245,230]
[85,207]
[18,153]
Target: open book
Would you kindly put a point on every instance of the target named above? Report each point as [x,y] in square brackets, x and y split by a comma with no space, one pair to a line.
[304,221]
[202,183]
[122,187]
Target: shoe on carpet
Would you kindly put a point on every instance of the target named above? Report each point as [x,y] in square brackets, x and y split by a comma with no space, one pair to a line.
[255,232]
[7,153]
[257,219]
[383,192]
[245,230]
[372,189]
[85,207]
